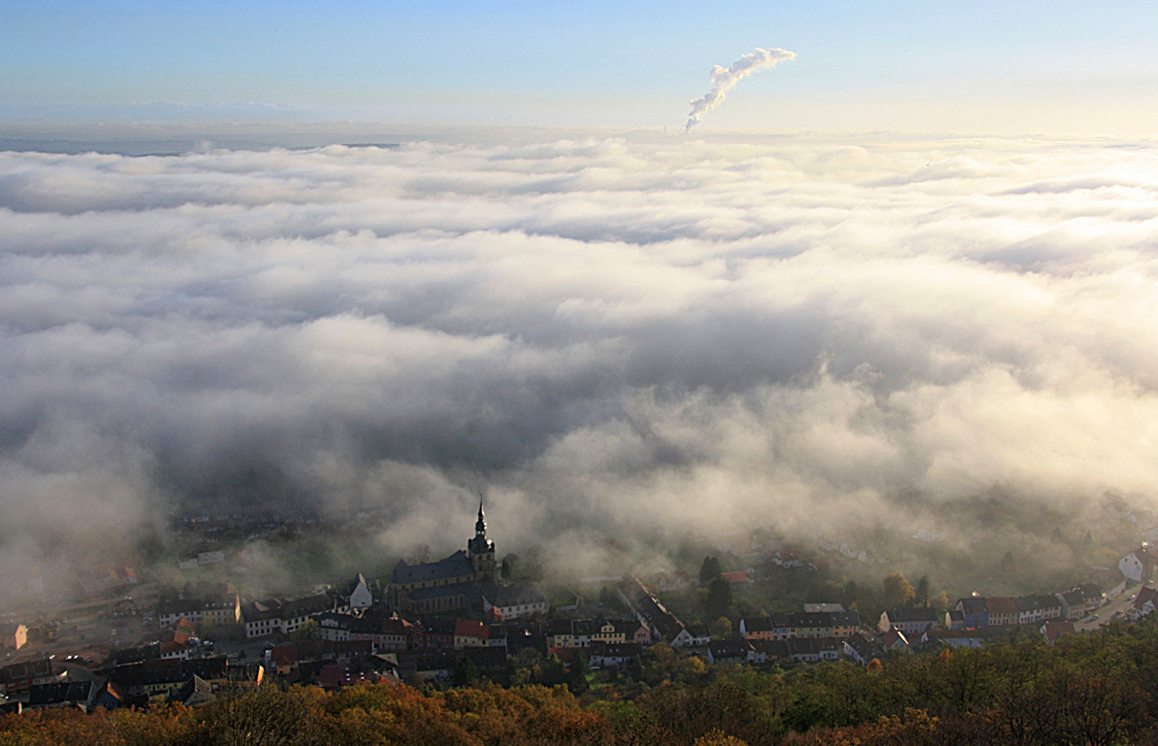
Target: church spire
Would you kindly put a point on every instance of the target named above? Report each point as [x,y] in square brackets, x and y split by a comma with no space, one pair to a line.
[480,526]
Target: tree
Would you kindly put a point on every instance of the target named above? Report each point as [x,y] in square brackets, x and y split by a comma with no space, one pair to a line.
[896,591]
[921,596]
[465,672]
[505,570]
[308,631]
[721,628]
[420,555]
[709,569]
[851,593]
[719,598]
[577,674]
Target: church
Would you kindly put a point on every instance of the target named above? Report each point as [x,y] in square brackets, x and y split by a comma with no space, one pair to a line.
[455,583]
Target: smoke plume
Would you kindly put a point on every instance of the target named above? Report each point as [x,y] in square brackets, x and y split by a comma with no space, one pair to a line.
[725,79]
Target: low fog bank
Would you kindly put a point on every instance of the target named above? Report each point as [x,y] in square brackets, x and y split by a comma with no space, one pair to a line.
[598,337]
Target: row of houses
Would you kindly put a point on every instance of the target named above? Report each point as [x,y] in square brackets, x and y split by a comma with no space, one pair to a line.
[805,624]
[17,677]
[583,633]
[218,604]
[556,636]
[981,612]
[661,624]
[286,616]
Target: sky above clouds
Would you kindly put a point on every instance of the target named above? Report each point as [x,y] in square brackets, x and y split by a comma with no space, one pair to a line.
[1022,66]
[600,332]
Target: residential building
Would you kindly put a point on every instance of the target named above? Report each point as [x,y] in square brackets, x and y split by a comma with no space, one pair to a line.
[975,611]
[1003,611]
[913,622]
[661,623]
[214,604]
[13,635]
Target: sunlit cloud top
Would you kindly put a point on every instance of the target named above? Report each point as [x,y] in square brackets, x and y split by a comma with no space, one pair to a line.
[790,328]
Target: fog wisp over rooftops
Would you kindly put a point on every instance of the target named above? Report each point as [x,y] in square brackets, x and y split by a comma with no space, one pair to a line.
[599,333]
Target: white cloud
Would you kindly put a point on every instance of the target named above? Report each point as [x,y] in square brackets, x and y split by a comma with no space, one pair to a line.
[603,330]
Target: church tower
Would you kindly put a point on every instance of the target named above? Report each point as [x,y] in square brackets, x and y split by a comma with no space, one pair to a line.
[480,550]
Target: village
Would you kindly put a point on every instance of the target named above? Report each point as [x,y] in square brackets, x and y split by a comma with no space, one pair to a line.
[469,616]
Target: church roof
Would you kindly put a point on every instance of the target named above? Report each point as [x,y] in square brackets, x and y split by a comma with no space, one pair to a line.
[455,566]
[470,590]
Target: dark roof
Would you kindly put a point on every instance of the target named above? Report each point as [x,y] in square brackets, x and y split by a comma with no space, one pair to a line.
[513,595]
[470,591]
[147,672]
[216,667]
[455,566]
[918,614]
[845,619]
[863,647]
[306,606]
[974,606]
[259,610]
[697,629]
[803,645]
[437,626]
[649,607]
[195,687]
[1028,603]
[616,649]
[812,619]
[757,624]
[1090,591]
[772,648]
[40,695]
[729,648]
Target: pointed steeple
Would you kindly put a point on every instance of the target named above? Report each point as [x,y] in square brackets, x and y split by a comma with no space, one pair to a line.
[480,526]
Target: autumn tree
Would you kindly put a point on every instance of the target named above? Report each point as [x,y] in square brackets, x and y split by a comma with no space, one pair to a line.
[896,591]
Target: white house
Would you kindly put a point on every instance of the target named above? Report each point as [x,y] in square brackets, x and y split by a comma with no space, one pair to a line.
[1136,565]
[358,593]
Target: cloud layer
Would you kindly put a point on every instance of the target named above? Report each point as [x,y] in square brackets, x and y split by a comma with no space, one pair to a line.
[610,332]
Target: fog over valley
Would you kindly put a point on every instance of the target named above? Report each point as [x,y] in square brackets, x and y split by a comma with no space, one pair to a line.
[602,338]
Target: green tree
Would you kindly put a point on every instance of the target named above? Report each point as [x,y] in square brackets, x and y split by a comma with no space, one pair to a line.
[719,598]
[921,595]
[577,674]
[709,569]
[465,672]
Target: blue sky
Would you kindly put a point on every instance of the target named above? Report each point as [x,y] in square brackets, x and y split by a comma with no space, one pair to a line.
[885,63]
